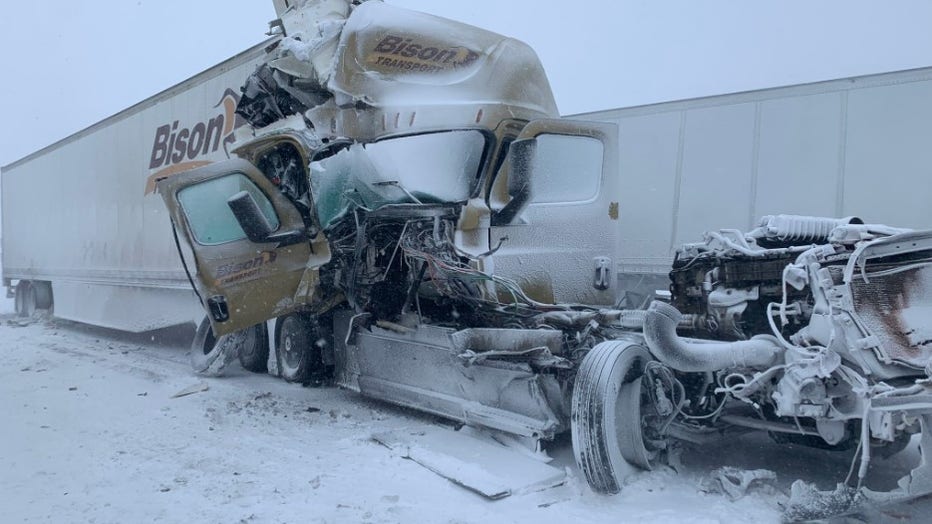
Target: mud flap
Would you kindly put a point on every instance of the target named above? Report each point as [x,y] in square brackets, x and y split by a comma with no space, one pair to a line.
[808,503]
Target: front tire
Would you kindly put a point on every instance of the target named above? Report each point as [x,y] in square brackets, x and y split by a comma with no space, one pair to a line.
[209,355]
[608,415]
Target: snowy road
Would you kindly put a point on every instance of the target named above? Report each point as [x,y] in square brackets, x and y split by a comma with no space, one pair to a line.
[92,434]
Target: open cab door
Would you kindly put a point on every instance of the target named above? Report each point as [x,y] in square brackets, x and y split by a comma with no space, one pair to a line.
[555,212]
[249,251]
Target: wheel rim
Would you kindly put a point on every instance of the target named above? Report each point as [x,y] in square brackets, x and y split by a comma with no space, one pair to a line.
[641,443]
[290,354]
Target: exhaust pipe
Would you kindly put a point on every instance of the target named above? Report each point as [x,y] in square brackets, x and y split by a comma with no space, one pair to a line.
[697,356]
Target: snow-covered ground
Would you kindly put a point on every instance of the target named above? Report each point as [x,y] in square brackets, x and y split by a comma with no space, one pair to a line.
[92,433]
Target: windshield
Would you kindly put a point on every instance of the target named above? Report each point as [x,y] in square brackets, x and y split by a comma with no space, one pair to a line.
[420,169]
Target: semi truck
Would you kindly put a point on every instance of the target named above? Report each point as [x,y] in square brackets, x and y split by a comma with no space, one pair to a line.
[405,214]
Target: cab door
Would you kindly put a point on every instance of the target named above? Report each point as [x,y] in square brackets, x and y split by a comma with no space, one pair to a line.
[242,279]
[555,212]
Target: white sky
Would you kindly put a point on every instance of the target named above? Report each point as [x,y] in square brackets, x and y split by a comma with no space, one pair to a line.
[69,64]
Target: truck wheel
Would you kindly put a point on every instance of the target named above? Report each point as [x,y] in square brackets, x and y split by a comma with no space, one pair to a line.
[43,291]
[209,356]
[608,417]
[25,301]
[299,357]
[254,355]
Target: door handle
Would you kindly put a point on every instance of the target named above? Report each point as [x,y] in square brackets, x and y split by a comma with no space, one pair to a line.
[219,311]
[603,273]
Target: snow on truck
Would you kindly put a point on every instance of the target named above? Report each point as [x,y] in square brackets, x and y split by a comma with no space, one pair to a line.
[407,216]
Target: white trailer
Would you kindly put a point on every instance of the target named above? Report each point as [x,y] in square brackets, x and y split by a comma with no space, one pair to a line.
[853,146]
[81,221]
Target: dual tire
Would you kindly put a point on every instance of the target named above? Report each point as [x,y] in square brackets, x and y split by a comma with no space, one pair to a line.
[301,341]
[32,295]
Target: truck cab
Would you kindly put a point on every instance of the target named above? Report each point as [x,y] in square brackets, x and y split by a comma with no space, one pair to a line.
[407,215]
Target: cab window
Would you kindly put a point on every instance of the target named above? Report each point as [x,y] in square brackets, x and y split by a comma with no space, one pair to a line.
[566,169]
[210,218]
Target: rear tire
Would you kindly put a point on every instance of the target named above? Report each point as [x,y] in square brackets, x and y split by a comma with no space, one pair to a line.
[25,302]
[300,358]
[607,419]
[254,355]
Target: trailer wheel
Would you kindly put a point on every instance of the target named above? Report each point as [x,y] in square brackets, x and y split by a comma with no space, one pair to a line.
[254,355]
[210,356]
[25,300]
[299,356]
[609,430]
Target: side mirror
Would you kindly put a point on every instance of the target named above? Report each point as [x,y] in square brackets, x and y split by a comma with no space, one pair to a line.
[250,217]
[257,227]
[520,161]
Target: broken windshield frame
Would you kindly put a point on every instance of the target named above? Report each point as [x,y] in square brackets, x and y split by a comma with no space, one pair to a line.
[426,168]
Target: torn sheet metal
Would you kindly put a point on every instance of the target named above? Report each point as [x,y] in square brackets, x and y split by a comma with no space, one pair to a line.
[736,483]
[492,471]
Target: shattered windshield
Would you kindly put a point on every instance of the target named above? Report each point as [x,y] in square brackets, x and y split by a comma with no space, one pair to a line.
[418,169]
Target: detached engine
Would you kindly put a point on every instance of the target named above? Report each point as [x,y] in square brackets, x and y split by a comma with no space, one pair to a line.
[816,330]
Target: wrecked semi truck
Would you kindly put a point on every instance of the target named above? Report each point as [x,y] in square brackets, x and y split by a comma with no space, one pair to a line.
[418,225]
[407,216]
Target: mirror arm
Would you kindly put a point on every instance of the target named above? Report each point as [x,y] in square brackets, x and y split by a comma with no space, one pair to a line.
[507,214]
[520,159]
[288,238]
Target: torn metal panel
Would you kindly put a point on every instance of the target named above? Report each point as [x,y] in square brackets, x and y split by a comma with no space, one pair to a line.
[423,369]
[492,471]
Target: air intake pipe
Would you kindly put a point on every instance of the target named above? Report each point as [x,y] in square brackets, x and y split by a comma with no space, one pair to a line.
[696,356]
[800,229]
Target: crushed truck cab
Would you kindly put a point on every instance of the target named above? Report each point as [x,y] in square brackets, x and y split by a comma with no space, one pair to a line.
[406,227]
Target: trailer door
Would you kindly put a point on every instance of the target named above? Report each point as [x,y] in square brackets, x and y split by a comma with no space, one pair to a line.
[242,281]
[555,211]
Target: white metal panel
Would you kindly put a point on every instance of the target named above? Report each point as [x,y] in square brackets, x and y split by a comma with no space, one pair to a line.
[798,163]
[649,152]
[718,157]
[128,308]
[888,165]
